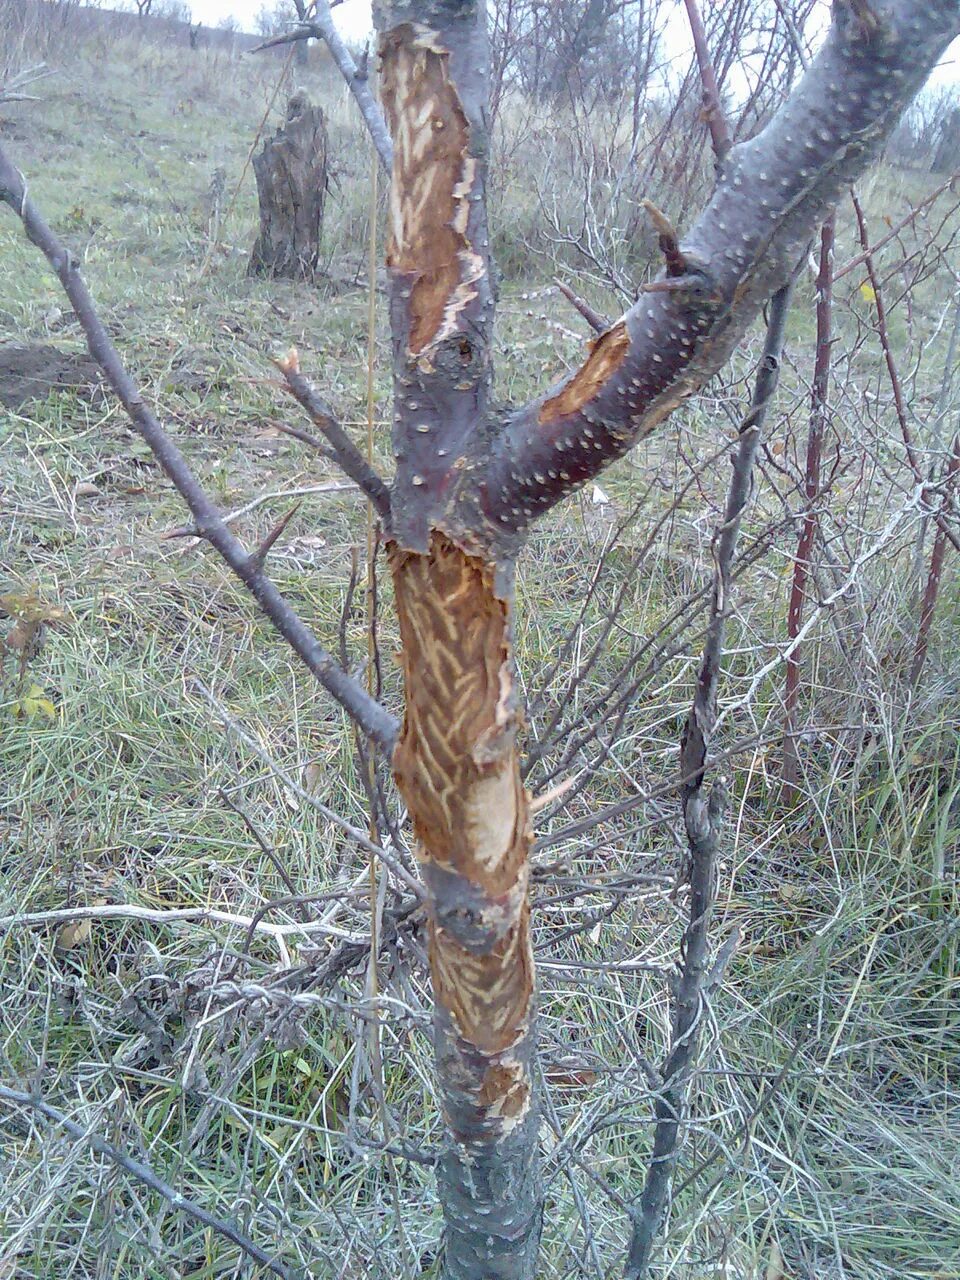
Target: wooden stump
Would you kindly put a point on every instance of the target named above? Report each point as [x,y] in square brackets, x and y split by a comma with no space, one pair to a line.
[291,173]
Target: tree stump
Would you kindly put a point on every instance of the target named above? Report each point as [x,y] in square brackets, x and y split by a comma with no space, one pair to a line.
[291,173]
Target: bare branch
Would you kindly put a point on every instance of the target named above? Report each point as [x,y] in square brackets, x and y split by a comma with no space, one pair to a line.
[346,454]
[321,26]
[594,319]
[712,108]
[143,1173]
[364,710]
[703,817]
[774,191]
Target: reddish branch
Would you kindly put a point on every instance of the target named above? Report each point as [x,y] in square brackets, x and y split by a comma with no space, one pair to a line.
[932,588]
[801,564]
[896,386]
[712,107]
[895,230]
[248,566]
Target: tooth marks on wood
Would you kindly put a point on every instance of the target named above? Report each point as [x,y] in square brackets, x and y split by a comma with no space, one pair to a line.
[434,177]
[457,767]
[456,761]
[488,996]
[606,355]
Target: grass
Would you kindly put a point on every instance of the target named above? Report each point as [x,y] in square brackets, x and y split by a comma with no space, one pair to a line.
[826,1116]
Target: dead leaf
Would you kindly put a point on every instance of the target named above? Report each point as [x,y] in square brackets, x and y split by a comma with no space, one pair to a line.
[73,934]
[34,703]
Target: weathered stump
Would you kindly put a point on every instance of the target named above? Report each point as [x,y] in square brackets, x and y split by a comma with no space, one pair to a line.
[291,173]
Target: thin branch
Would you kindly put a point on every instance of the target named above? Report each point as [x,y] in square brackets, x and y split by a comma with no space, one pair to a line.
[896,386]
[594,319]
[703,818]
[174,915]
[348,457]
[191,530]
[322,27]
[143,1173]
[359,837]
[364,710]
[712,107]
[819,412]
[932,588]
[895,230]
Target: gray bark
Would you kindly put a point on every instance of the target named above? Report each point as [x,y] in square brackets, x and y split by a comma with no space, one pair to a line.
[291,173]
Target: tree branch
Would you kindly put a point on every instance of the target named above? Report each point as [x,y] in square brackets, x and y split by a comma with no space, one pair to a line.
[322,27]
[703,816]
[143,1173]
[712,106]
[346,454]
[359,705]
[774,191]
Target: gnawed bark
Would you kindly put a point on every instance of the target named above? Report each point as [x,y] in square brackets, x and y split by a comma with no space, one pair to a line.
[772,192]
[457,766]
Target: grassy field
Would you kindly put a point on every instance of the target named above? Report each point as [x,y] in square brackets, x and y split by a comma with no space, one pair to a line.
[825,1130]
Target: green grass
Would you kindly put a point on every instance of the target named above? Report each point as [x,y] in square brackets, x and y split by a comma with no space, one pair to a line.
[826,1116]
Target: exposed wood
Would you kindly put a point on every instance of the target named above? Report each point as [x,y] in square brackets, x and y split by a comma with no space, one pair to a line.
[773,192]
[458,768]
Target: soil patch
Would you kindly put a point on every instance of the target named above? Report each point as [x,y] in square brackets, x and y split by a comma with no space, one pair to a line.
[31,372]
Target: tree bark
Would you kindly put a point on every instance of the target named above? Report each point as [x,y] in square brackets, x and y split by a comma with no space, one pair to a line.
[291,173]
[457,761]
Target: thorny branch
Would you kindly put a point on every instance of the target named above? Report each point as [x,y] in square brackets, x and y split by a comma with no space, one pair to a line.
[364,710]
[345,453]
[703,815]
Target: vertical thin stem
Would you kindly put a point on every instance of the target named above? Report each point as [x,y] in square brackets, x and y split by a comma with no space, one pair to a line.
[934,575]
[819,409]
[703,818]
[712,107]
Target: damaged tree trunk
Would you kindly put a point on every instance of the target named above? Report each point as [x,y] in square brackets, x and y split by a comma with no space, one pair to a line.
[457,762]
[291,173]
[471,478]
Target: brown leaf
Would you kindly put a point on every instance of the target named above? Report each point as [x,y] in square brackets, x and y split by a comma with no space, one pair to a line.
[73,934]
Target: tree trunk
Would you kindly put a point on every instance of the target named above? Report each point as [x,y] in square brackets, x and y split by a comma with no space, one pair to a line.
[458,768]
[291,173]
[457,762]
